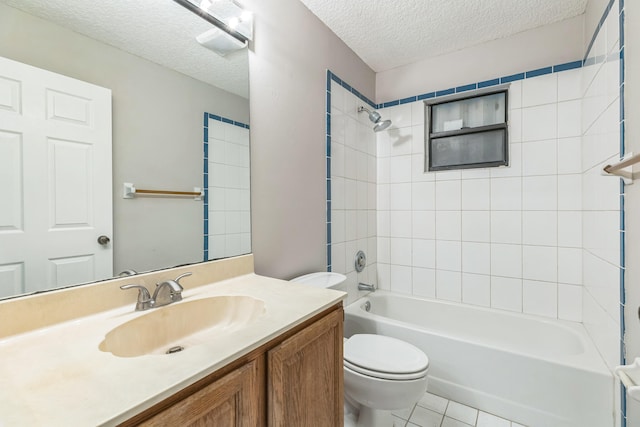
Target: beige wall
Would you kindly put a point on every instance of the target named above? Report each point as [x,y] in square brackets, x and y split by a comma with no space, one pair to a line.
[288,62]
[525,51]
[157,134]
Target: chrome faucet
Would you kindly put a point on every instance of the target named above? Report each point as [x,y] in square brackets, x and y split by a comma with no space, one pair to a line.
[366,287]
[166,292]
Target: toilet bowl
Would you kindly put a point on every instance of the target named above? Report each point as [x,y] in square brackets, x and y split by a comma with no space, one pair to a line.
[381,373]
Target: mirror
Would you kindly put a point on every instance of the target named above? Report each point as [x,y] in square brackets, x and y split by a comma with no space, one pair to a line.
[162,83]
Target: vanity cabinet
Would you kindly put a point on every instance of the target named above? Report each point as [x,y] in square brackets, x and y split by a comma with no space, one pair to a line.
[305,381]
[233,401]
[294,380]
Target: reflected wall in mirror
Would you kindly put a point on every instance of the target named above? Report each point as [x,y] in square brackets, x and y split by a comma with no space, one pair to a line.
[162,82]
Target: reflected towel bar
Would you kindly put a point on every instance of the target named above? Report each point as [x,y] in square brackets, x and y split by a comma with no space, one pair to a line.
[623,168]
[130,191]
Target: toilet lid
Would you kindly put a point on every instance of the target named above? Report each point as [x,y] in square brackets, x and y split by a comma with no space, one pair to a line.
[377,355]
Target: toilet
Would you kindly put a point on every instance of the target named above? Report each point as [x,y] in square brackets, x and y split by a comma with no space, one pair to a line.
[381,373]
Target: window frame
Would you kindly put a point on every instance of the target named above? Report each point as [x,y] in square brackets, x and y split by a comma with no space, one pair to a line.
[430,135]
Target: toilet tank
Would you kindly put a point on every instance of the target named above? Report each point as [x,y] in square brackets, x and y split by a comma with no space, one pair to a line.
[323,279]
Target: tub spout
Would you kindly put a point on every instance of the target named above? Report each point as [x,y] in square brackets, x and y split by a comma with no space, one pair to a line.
[366,287]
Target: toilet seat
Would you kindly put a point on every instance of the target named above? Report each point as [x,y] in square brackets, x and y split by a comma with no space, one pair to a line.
[384,357]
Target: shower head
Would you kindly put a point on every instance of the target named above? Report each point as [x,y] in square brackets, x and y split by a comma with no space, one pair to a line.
[375,117]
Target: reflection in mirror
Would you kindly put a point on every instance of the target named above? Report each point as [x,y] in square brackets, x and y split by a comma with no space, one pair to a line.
[161,81]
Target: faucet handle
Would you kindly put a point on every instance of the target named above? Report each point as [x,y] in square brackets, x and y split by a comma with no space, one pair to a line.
[177,279]
[144,298]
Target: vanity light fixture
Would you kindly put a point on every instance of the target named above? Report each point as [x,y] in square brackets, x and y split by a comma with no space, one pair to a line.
[227,15]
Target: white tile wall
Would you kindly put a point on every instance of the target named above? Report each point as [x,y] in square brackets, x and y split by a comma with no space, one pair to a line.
[598,267]
[509,237]
[356,222]
[229,198]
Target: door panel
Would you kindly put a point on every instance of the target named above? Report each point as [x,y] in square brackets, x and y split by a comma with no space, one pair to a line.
[55,177]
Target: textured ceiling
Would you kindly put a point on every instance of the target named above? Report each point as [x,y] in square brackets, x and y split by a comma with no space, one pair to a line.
[160,31]
[391,33]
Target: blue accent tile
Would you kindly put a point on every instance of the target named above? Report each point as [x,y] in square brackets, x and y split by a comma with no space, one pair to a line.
[229,121]
[328,124]
[466,88]
[328,255]
[346,85]
[355,92]
[214,117]
[328,145]
[512,78]
[336,79]
[622,104]
[206,196]
[621,4]
[408,100]
[205,150]
[329,211]
[390,103]
[622,137]
[206,256]
[329,240]
[328,167]
[445,92]
[539,72]
[426,96]
[488,83]
[206,134]
[205,165]
[206,119]
[205,180]
[328,101]
[328,81]
[567,66]
[621,65]
[371,104]
[206,226]
[328,189]
[622,29]
[206,244]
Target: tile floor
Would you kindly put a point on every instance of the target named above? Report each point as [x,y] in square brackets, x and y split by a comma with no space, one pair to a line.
[436,411]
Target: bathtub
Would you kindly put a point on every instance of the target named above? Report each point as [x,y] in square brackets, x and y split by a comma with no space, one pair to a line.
[537,372]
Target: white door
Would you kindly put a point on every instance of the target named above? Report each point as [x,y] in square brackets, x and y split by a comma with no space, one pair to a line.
[55,180]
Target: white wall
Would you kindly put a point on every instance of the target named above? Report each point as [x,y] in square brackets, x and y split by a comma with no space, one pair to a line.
[632,194]
[229,210]
[288,67]
[353,190]
[525,51]
[507,237]
[157,134]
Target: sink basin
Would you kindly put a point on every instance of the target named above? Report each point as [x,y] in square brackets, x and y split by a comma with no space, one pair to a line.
[181,325]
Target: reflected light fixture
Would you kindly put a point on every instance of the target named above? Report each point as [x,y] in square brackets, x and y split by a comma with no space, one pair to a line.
[227,16]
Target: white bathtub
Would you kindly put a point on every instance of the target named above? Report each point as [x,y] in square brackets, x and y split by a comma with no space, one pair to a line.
[538,372]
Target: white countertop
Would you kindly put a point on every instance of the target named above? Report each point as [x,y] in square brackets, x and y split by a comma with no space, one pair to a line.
[57,376]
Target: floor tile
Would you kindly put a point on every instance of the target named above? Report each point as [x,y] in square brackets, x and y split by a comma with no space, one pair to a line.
[403,413]
[399,422]
[488,420]
[450,422]
[425,417]
[433,402]
[461,412]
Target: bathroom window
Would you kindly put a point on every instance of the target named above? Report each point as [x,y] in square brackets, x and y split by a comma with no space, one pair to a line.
[468,132]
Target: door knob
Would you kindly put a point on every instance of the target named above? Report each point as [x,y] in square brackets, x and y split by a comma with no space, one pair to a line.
[103,240]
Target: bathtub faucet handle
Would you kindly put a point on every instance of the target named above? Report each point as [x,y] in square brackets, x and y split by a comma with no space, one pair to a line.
[366,287]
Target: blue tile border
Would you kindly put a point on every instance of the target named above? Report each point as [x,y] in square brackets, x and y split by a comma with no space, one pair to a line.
[482,84]
[205,172]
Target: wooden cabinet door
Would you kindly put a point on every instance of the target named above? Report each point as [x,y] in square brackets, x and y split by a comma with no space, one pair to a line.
[305,378]
[236,400]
